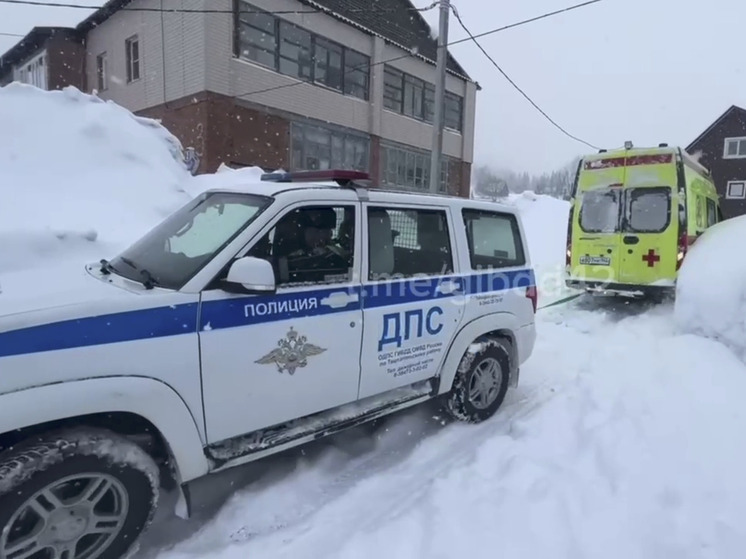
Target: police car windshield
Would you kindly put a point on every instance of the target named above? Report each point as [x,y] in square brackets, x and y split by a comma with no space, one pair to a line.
[174,251]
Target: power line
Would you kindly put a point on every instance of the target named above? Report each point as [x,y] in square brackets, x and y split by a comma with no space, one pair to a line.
[525,21]
[410,54]
[11,34]
[212,11]
[496,65]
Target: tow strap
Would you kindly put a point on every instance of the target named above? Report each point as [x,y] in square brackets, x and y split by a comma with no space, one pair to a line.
[561,301]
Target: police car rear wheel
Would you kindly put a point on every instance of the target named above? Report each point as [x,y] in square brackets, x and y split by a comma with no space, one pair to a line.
[481,383]
[77,495]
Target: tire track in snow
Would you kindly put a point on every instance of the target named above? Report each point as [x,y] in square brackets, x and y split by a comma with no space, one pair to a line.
[406,486]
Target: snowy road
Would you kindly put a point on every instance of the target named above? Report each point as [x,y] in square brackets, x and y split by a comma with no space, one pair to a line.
[616,444]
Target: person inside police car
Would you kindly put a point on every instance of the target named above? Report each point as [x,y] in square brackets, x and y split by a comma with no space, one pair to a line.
[317,250]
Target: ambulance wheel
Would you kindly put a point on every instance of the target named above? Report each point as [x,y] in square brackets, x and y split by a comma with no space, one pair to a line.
[481,383]
[81,493]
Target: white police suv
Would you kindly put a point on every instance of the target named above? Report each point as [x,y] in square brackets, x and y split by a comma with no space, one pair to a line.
[251,320]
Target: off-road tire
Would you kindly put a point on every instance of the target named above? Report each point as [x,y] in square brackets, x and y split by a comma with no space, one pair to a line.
[458,403]
[37,464]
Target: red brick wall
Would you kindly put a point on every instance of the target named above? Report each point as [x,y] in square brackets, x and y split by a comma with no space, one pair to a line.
[187,119]
[224,131]
[244,136]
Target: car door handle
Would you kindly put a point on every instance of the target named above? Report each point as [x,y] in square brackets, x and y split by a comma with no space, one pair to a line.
[339,299]
[448,287]
[631,240]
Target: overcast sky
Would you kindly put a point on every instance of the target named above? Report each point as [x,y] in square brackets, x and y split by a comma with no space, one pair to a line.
[649,71]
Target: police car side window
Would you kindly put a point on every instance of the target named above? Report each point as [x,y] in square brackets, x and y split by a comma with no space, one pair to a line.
[310,244]
[408,242]
[494,240]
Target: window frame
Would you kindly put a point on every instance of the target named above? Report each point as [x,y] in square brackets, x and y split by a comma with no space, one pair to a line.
[347,138]
[131,62]
[330,47]
[397,81]
[403,154]
[348,88]
[620,206]
[283,42]
[102,71]
[395,85]
[728,193]
[627,205]
[353,274]
[33,71]
[520,259]
[739,140]
[404,208]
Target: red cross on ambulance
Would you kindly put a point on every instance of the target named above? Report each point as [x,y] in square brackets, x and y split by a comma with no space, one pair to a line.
[651,258]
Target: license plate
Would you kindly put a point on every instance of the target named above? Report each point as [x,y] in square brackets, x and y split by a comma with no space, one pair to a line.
[595,260]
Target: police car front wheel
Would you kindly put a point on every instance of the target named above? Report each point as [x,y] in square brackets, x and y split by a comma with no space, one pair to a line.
[82,494]
[481,383]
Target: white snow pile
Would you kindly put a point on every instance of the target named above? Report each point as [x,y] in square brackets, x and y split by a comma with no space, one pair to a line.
[79,177]
[711,289]
[545,222]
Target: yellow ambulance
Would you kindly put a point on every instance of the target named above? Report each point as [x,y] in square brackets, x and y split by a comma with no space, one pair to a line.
[634,213]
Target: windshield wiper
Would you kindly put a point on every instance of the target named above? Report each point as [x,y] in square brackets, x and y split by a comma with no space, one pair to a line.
[149,281]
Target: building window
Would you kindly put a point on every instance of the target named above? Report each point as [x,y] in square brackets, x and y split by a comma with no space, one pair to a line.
[102,72]
[317,148]
[33,72]
[454,111]
[393,89]
[257,38]
[328,64]
[295,51]
[736,190]
[291,50]
[132,49]
[735,148]
[415,98]
[410,169]
[357,74]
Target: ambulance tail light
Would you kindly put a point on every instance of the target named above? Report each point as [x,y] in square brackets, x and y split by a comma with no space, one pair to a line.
[533,294]
[683,247]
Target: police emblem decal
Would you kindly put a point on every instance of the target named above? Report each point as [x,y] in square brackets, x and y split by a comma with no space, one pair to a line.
[292,353]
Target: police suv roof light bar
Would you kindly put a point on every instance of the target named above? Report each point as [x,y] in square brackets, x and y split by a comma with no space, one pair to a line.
[341,176]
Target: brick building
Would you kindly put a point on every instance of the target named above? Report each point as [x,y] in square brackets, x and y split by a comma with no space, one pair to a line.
[294,84]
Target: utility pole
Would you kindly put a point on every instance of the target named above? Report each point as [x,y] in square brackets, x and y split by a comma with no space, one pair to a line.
[440,91]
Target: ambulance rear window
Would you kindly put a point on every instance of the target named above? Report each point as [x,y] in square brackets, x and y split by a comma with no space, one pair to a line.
[648,210]
[599,211]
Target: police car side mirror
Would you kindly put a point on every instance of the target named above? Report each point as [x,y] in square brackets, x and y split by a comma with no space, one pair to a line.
[251,275]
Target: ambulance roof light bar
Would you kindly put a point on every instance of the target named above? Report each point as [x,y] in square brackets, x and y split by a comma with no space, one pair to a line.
[342,177]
